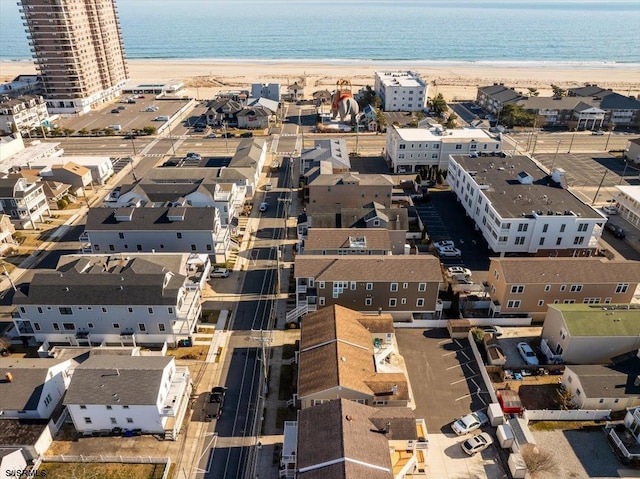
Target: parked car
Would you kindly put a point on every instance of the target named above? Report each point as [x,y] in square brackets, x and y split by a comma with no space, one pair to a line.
[151,108]
[527,354]
[610,210]
[449,252]
[444,244]
[122,107]
[246,134]
[193,156]
[264,206]
[228,135]
[115,110]
[456,270]
[477,443]
[469,423]
[495,330]
[616,230]
[212,135]
[215,404]
[220,273]
[130,137]
[598,133]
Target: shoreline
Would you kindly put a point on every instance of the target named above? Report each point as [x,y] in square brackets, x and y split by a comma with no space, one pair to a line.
[455,80]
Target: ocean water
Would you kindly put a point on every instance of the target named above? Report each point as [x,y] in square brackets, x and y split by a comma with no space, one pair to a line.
[566,32]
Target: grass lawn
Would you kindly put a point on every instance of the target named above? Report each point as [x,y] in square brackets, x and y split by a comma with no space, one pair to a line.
[94,470]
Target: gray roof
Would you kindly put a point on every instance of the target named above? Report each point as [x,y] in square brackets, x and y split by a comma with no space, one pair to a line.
[145,219]
[29,375]
[556,103]
[256,110]
[512,199]
[85,281]
[117,380]
[352,178]
[333,150]
[247,154]
[609,381]
[501,93]
[335,216]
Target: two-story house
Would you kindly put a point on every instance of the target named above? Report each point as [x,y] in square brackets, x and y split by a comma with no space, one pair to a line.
[223,111]
[528,285]
[519,208]
[101,167]
[328,155]
[125,299]
[567,111]
[346,241]
[590,334]
[404,286]
[621,110]
[165,230]
[343,354]
[344,439]
[350,190]
[76,176]
[147,394]
[23,201]
[33,388]
[411,149]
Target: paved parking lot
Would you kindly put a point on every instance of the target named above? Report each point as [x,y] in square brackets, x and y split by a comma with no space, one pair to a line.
[132,117]
[446,384]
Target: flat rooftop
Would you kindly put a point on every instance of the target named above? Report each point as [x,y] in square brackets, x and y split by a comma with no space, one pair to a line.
[400,78]
[601,319]
[498,178]
[435,134]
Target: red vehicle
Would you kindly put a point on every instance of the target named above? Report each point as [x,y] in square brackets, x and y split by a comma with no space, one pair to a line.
[509,401]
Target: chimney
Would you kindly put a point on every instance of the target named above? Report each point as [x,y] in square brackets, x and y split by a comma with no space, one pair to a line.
[9,377]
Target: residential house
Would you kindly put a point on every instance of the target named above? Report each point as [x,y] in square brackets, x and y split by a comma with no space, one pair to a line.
[9,146]
[528,285]
[270,91]
[621,110]
[346,241]
[55,192]
[567,111]
[101,167]
[295,91]
[11,460]
[248,161]
[194,187]
[322,97]
[148,394]
[329,156]
[14,155]
[591,334]
[410,150]
[357,441]
[604,386]
[165,230]
[401,90]
[271,106]
[32,388]
[254,117]
[340,357]
[22,85]
[372,215]
[23,113]
[632,151]
[494,97]
[222,112]
[23,201]
[6,233]
[628,203]
[404,286]
[70,173]
[134,299]
[351,190]
[625,439]
[519,208]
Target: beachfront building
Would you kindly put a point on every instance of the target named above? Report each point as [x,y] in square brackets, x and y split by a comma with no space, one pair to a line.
[101,167]
[401,90]
[78,51]
[621,110]
[519,208]
[23,114]
[131,299]
[271,91]
[628,201]
[494,97]
[411,149]
[567,112]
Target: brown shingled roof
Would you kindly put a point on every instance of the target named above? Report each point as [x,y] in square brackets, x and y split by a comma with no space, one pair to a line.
[568,270]
[410,268]
[333,238]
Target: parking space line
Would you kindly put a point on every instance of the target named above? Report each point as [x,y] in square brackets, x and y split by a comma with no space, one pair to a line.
[445,341]
[463,397]
[450,353]
[464,379]
[459,365]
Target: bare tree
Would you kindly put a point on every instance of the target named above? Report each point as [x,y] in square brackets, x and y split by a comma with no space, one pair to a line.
[565,398]
[539,460]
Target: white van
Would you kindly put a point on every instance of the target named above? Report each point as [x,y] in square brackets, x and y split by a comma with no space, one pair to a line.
[161,118]
[115,127]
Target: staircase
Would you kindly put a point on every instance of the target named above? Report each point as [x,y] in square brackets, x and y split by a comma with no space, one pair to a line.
[294,314]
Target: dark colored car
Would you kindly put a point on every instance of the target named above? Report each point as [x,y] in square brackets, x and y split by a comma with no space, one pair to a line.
[214,406]
[115,110]
[130,137]
[246,134]
[228,135]
[615,230]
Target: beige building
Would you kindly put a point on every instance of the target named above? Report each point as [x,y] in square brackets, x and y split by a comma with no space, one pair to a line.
[405,286]
[350,190]
[23,114]
[345,241]
[590,334]
[528,285]
[345,354]
[78,50]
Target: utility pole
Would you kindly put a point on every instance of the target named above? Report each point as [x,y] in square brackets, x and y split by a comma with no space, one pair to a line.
[226,144]
[599,186]
[264,339]
[555,156]
[624,171]
[571,144]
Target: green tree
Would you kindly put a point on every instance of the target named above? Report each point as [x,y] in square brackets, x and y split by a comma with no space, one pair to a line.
[533,91]
[149,130]
[95,131]
[369,97]
[68,132]
[514,115]
[557,91]
[438,105]
[451,121]
[83,132]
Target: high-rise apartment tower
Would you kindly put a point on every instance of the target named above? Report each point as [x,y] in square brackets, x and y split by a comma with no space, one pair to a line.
[78,50]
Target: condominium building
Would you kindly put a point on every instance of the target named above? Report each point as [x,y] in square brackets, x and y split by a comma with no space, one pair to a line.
[78,50]
[401,90]
[23,114]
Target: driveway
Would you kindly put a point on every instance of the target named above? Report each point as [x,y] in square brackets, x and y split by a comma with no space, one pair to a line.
[446,384]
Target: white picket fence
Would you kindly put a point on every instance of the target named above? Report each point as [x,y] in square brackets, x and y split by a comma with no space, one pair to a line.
[570,415]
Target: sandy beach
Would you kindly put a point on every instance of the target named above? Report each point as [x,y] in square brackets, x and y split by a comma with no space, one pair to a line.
[455,82]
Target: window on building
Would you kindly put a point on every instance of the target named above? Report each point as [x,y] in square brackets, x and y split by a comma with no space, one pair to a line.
[170,310]
[130,309]
[578,240]
[69,326]
[352,285]
[622,288]
[545,227]
[559,241]
[56,326]
[129,420]
[517,289]
[116,325]
[523,227]
[82,406]
[547,288]
[541,302]
[65,311]
[541,242]
[514,303]
[113,420]
[142,327]
[150,310]
[121,235]
[575,288]
[369,287]
[109,407]
[419,302]
[161,327]
[179,235]
[321,300]
[90,325]
[36,326]
[368,301]
[393,302]
[87,420]
[422,287]
[519,240]
[562,228]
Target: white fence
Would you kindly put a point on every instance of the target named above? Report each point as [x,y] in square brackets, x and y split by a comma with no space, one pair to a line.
[561,415]
[483,370]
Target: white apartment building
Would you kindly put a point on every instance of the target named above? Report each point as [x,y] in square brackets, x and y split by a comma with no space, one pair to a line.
[401,90]
[163,230]
[271,91]
[24,112]
[78,50]
[135,299]
[24,202]
[520,209]
[140,394]
[410,149]
[628,198]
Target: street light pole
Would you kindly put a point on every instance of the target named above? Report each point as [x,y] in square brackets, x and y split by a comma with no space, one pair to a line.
[624,171]
[226,144]
[555,156]
[599,186]
[173,147]
[133,144]
[571,144]
[606,146]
